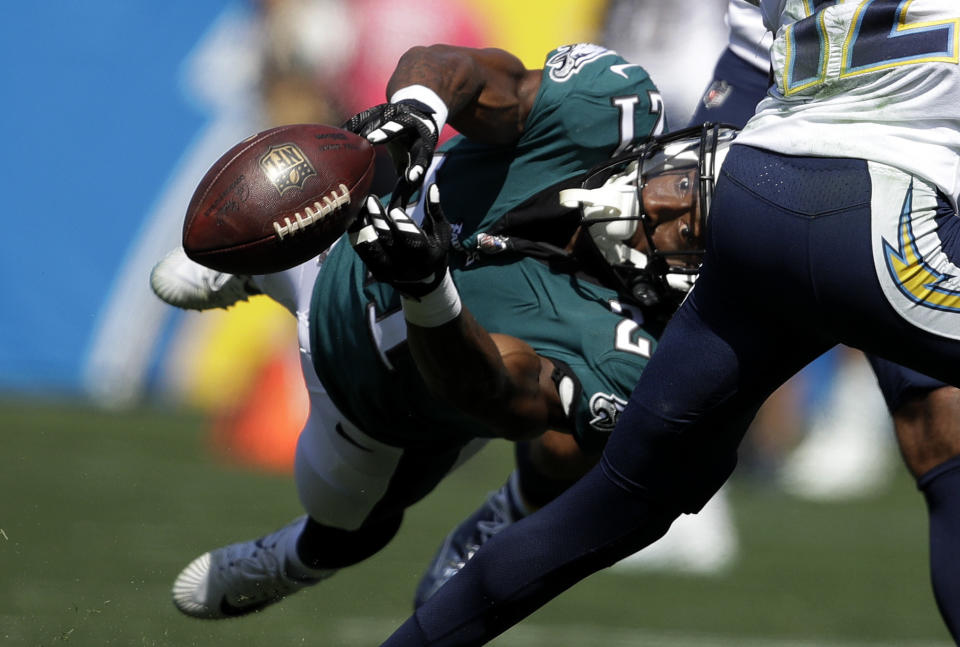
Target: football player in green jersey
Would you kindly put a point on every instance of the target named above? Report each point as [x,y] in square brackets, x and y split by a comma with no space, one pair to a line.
[834,221]
[408,376]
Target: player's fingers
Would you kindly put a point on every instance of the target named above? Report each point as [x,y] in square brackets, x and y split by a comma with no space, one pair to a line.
[386,131]
[403,191]
[363,120]
[414,173]
[433,198]
[419,160]
[383,225]
[362,230]
[424,125]
[378,217]
[421,153]
[432,211]
[363,214]
[401,222]
[435,221]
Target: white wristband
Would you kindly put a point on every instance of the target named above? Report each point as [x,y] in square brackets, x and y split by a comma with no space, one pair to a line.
[435,308]
[425,95]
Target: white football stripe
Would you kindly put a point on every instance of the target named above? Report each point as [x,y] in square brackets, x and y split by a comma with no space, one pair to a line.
[414,173]
[408,227]
[380,223]
[399,215]
[428,123]
[366,235]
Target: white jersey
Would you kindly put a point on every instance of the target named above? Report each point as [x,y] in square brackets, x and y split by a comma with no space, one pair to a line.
[873,79]
[749,38]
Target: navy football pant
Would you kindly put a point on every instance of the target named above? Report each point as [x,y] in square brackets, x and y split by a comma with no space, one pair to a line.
[731,98]
[788,274]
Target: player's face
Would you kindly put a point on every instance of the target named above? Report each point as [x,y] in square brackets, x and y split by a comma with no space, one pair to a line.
[671,203]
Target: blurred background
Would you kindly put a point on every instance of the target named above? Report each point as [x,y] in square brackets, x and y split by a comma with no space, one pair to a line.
[136,436]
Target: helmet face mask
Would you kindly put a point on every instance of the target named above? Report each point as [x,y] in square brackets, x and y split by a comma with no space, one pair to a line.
[646,212]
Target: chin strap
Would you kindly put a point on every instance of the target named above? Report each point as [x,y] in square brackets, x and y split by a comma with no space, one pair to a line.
[610,215]
[681,282]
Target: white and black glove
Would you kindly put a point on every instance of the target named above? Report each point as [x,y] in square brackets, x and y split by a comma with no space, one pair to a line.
[399,252]
[410,129]
[409,125]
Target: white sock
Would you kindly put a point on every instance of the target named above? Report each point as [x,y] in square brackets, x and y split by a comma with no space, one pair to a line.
[295,567]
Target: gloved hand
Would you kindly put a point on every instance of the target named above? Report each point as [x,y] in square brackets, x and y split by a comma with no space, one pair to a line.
[410,130]
[397,251]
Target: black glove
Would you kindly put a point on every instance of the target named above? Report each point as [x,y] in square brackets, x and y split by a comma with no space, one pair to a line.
[397,251]
[409,130]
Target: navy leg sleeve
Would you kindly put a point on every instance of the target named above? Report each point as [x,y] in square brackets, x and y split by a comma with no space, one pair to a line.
[591,526]
[899,384]
[941,488]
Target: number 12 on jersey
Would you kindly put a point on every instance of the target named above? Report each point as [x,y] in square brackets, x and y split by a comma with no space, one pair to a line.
[878,37]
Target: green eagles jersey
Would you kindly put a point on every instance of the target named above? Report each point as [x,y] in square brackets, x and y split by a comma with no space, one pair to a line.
[591,104]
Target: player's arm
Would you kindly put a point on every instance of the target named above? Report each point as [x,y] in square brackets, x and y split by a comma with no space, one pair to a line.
[486,94]
[498,379]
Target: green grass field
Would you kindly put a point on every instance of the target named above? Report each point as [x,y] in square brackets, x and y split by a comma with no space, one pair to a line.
[99,511]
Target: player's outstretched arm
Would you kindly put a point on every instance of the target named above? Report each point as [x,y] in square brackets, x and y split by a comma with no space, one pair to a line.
[486,94]
[498,379]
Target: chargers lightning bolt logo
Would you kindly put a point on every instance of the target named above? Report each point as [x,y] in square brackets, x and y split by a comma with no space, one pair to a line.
[912,275]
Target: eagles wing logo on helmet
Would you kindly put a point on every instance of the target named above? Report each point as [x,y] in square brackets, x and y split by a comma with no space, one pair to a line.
[569,59]
[286,167]
[606,409]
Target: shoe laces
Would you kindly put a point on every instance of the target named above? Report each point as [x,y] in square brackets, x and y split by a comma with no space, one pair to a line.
[500,516]
[498,503]
[263,567]
[234,287]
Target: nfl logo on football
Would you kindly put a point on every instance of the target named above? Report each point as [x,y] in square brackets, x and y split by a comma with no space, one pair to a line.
[286,167]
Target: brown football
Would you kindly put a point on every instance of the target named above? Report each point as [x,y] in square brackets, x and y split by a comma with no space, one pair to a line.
[278,198]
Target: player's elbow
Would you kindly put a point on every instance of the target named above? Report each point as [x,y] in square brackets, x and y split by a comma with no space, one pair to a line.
[515,433]
[445,66]
[494,408]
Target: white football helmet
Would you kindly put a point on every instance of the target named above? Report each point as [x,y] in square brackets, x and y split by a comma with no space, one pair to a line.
[622,227]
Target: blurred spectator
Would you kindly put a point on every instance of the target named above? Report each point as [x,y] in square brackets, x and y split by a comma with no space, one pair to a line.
[677,41]
[300,71]
[325,60]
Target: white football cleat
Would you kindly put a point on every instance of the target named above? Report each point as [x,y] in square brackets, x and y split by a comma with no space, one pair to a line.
[242,578]
[848,452]
[705,544]
[186,284]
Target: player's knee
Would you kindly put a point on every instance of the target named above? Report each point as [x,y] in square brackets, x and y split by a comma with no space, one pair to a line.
[928,429]
[329,499]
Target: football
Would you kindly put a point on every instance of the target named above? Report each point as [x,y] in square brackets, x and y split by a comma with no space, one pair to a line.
[278,198]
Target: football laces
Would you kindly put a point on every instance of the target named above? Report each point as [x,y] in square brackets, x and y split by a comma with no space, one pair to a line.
[313,213]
